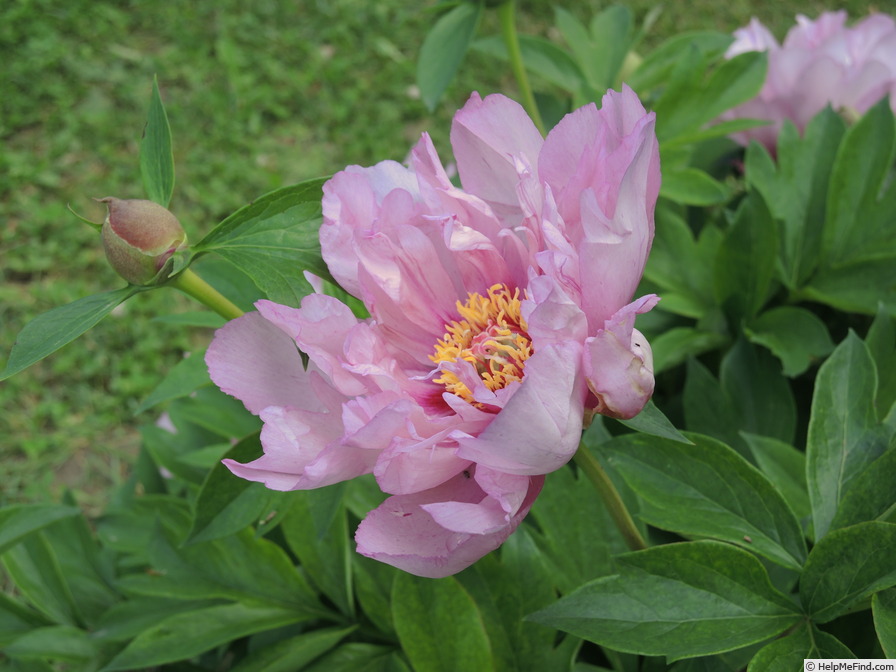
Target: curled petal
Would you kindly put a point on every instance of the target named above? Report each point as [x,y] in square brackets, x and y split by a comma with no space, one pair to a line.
[404,530]
[618,363]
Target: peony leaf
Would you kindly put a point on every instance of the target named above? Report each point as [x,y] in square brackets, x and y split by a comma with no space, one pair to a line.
[542,57]
[156,156]
[795,335]
[188,634]
[439,625]
[785,467]
[690,186]
[293,653]
[274,239]
[788,653]
[883,605]
[187,375]
[705,489]
[870,495]
[443,50]
[846,566]
[48,332]
[20,520]
[715,598]
[844,435]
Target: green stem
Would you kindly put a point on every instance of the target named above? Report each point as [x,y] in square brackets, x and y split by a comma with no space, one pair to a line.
[507,16]
[608,492]
[192,285]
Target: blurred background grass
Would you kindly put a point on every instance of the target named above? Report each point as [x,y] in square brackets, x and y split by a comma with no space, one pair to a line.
[259,95]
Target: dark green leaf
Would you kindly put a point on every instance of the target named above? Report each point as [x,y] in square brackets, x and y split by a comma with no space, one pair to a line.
[48,332]
[787,653]
[577,547]
[690,186]
[34,569]
[651,420]
[293,653]
[16,619]
[57,642]
[439,626]
[745,265]
[612,32]
[715,598]
[759,393]
[156,157]
[126,620]
[673,347]
[794,335]
[443,50]
[373,587]
[708,408]
[860,285]
[844,435]
[861,166]
[657,66]
[188,374]
[325,556]
[188,634]
[705,489]
[883,604]
[847,565]
[870,495]
[227,504]
[273,240]
[360,657]
[795,188]
[20,520]
[785,467]
[881,342]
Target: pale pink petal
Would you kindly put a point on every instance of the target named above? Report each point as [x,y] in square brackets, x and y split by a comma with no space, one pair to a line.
[539,429]
[488,136]
[618,363]
[401,533]
[253,360]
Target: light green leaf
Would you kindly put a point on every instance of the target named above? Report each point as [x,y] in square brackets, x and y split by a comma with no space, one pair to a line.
[188,634]
[847,565]
[883,605]
[674,346]
[715,598]
[156,156]
[795,335]
[439,626]
[860,285]
[48,332]
[691,186]
[187,375]
[274,239]
[56,642]
[844,435]
[541,57]
[651,420]
[35,570]
[443,50]
[705,489]
[881,342]
[20,520]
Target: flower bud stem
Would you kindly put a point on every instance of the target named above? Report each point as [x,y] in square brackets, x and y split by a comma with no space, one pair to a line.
[608,492]
[192,285]
[507,17]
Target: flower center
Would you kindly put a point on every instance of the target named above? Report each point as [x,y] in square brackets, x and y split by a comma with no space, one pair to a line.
[491,335]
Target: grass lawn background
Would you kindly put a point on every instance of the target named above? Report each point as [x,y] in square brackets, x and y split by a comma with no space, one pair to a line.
[259,95]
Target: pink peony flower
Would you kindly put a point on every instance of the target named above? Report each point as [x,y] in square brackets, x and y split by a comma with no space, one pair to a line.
[821,63]
[500,317]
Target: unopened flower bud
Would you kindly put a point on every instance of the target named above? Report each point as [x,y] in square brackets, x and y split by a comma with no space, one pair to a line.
[140,238]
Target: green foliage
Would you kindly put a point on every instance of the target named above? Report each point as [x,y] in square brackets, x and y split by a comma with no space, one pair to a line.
[763,434]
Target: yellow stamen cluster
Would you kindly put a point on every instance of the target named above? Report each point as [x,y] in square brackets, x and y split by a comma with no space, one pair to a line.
[491,335]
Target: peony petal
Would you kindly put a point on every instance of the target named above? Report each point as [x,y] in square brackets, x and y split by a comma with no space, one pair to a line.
[401,533]
[253,360]
[539,429]
[488,136]
[618,363]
